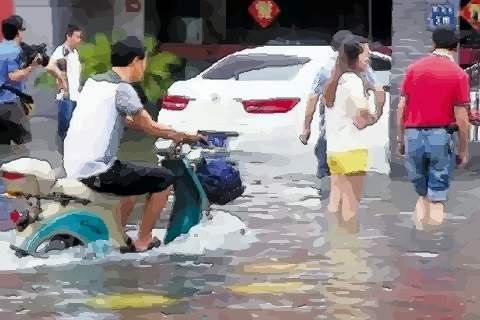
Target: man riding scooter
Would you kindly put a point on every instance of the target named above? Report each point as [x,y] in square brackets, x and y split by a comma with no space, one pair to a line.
[108,102]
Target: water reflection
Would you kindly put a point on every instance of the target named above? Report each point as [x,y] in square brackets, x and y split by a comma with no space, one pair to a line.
[346,291]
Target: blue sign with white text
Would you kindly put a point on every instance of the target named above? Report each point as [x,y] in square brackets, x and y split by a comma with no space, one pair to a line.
[443,16]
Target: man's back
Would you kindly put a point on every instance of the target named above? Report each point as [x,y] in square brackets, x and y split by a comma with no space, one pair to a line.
[97,124]
[433,86]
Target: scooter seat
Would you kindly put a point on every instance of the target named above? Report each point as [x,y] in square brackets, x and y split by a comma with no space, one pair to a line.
[76,189]
[73,188]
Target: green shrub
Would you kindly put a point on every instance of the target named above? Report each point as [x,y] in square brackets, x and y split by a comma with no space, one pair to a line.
[95,58]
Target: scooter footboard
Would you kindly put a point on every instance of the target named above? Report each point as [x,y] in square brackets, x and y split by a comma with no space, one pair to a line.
[81,225]
[190,200]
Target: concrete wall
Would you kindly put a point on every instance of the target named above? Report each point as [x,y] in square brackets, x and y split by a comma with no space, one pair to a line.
[91,16]
[38,18]
[132,23]
[411,40]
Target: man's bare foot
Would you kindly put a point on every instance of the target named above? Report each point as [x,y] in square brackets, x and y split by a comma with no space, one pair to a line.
[436,213]
[417,222]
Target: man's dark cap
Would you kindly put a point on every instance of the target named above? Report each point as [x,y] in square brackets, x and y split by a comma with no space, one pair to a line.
[339,37]
[14,21]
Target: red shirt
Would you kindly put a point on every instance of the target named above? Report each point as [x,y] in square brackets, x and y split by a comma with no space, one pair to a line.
[433,86]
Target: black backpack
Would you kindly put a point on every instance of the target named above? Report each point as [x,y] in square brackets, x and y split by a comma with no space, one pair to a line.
[220,179]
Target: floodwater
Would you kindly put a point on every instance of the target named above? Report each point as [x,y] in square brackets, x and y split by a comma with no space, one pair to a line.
[273,254]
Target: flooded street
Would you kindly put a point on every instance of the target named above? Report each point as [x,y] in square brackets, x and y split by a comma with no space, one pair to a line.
[273,254]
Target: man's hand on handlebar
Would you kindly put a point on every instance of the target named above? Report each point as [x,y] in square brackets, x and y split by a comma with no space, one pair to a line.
[190,138]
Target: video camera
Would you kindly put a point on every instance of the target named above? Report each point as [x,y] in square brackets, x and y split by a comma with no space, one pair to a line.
[30,52]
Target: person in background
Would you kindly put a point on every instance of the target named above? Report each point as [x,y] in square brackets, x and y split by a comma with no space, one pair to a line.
[317,92]
[14,123]
[434,103]
[67,55]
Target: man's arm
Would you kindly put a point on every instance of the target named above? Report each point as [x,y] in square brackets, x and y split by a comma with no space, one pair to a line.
[14,71]
[143,121]
[53,69]
[461,117]
[20,74]
[128,103]
[309,112]
[317,89]
[400,119]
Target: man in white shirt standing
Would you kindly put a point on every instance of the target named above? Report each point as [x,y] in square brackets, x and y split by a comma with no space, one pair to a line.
[67,99]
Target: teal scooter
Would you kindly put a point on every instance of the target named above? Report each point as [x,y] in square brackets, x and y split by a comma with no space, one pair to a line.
[58,214]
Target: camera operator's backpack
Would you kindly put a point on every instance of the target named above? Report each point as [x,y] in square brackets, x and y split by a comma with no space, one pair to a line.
[220,179]
[26,100]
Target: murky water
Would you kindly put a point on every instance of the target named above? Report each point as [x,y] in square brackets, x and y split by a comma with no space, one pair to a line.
[273,254]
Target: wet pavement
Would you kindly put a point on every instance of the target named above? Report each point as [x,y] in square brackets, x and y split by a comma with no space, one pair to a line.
[273,254]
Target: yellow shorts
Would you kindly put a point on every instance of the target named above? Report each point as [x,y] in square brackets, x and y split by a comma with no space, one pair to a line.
[349,163]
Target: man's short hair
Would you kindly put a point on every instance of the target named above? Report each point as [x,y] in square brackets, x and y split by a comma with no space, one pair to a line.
[71,28]
[445,38]
[125,51]
[339,37]
[11,26]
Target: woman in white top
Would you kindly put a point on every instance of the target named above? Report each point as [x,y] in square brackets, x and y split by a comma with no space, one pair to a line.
[348,98]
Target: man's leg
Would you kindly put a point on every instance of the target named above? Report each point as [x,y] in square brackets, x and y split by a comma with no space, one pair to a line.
[421,212]
[439,171]
[129,180]
[125,208]
[153,208]
[415,165]
[321,154]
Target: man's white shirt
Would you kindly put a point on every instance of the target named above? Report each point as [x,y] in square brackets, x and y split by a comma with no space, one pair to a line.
[74,69]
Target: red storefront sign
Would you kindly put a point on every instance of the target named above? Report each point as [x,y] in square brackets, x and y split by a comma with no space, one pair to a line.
[264,12]
[471,13]
[6,10]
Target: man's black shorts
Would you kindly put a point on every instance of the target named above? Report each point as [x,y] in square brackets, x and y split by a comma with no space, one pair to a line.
[129,179]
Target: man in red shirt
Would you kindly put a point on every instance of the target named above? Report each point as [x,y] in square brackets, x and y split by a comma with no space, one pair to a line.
[434,103]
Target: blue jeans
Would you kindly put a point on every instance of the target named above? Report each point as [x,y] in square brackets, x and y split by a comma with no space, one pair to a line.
[429,161]
[65,111]
[321,152]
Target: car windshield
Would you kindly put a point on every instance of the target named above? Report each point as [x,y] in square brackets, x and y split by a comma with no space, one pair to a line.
[257,67]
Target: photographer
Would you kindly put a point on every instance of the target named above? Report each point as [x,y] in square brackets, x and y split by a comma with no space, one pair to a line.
[17,61]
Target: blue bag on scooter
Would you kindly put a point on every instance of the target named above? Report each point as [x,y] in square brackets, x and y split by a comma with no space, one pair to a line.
[221,180]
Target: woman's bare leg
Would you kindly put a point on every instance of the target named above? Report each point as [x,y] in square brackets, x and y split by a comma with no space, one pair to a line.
[335,198]
[351,193]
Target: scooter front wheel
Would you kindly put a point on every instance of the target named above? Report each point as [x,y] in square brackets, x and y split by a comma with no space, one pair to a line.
[56,243]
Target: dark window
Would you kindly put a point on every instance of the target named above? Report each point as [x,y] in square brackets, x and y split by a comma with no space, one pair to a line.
[257,67]
[380,64]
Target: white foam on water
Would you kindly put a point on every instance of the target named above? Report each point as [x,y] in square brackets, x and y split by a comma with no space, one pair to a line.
[223,231]
[88,316]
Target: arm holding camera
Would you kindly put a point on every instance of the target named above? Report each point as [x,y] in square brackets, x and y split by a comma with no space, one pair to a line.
[16,74]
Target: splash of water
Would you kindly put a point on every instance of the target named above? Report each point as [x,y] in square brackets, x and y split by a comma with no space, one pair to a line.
[222,231]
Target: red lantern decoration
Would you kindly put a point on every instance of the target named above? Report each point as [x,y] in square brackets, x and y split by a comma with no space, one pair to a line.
[6,10]
[264,12]
[133,5]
